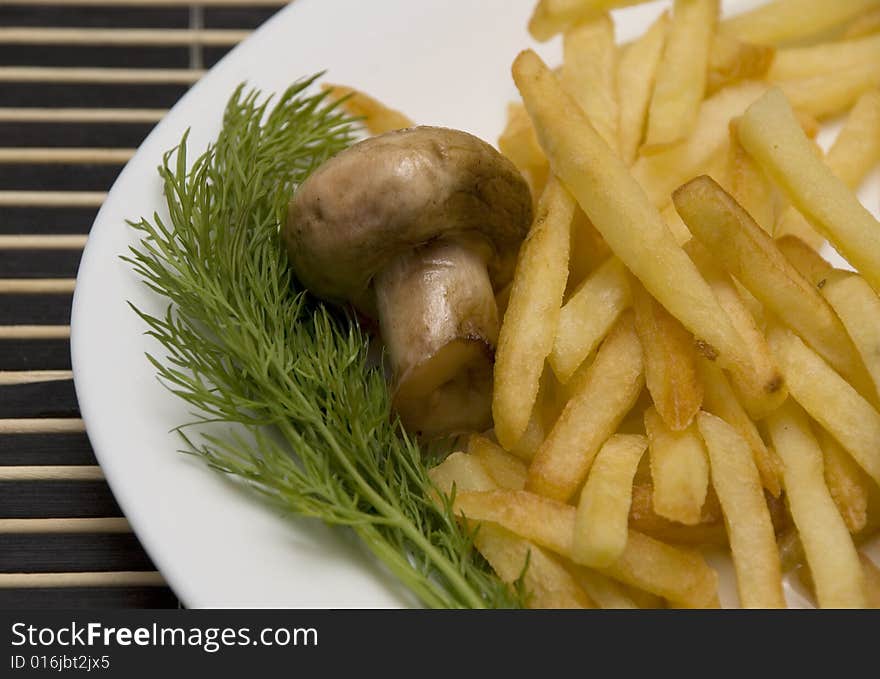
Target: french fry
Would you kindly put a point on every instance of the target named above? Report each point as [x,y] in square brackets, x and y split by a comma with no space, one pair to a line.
[377,117]
[751,255]
[520,144]
[809,263]
[601,397]
[679,470]
[859,309]
[670,361]
[749,528]
[632,227]
[732,61]
[829,399]
[506,470]
[661,173]
[848,485]
[588,316]
[787,21]
[462,472]
[831,554]
[548,583]
[546,580]
[552,17]
[588,74]
[636,71]
[750,186]
[644,518]
[607,593]
[824,59]
[720,400]
[831,94]
[855,152]
[680,575]
[866,23]
[677,574]
[871,581]
[680,81]
[769,132]
[529,326]
[762,389]
[600,528]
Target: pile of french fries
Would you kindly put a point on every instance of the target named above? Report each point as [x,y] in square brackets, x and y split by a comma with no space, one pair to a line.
[679,370]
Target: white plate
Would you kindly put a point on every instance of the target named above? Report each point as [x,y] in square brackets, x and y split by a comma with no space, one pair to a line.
[444,63]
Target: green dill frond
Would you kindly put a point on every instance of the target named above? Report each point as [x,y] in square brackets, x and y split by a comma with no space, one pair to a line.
[304,418]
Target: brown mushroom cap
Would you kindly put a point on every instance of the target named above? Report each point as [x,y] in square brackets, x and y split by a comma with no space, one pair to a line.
[390,194]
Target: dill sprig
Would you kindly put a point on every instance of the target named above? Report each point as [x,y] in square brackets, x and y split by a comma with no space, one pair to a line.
[304,417]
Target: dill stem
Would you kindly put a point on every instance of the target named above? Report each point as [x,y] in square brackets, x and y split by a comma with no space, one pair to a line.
[452,574]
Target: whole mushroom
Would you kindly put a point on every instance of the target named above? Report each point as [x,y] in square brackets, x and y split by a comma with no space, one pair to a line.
[418,228]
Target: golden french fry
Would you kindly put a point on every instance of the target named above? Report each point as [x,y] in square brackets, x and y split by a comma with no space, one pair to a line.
[505,469]
[858,306]
[809,263]
[825,58]
[670,359]
[849,485]
[829,399]
[762,388]
[749,528]
[600,528]
[866,23]
[588,316]
[770,134]
[547,581]
[529,326]
[520,144]
[679,470]
[680,81]
[855,152]
[551,17]
[732,61]
[607,593]
[831,94]
[750,254]
[720,400]
[831,554]
[588,74]
[378,118]
[871,582]
[787,21]
[463,472]
[661,173]
[636,71]
[680,575]
[602,395]
[750,186]
[632,227]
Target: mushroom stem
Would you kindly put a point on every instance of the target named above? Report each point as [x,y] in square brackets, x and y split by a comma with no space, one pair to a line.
[439,320]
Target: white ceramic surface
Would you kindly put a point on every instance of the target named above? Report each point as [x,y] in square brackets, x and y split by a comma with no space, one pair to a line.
[443,62]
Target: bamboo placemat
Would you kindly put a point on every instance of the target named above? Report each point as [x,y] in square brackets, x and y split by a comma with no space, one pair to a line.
[81,84]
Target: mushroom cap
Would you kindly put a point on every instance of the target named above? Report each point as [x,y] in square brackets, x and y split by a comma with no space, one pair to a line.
[389,194]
